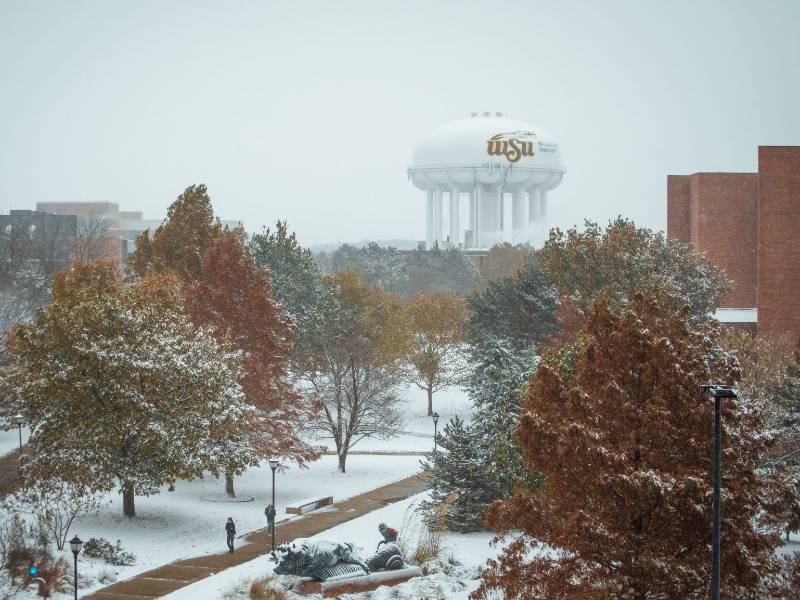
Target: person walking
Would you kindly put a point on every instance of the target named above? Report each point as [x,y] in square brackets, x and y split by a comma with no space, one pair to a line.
[230,529]
[269,512]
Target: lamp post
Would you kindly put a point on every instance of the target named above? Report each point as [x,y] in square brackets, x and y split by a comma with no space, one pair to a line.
[718,392]
[273,464]
[76,543]
[19,420]
[435,417]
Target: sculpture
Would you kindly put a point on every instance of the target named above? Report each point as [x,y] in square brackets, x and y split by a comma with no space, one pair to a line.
[314,558]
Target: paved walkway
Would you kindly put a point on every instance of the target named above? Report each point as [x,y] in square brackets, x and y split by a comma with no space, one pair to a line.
[164,580]
[9,471]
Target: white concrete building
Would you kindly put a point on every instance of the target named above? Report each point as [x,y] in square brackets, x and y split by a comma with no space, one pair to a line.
[494,174]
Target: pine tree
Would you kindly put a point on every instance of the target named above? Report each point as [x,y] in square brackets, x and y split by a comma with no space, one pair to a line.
[455,473]
[619,429]
[234,300]
[509,318]
[121,391]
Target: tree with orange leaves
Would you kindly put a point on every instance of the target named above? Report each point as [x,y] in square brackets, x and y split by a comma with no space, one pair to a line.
[234,298]
[623,438]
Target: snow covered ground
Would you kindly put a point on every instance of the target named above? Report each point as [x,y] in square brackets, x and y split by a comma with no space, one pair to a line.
[190,521]
[9,440]
[418,426]
[470,550]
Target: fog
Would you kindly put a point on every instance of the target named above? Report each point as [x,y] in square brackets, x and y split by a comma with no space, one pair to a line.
[308,111]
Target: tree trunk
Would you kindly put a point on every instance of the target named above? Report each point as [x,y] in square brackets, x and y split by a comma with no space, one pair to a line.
[430,401]
[128,508]
[342,461]
[229,486]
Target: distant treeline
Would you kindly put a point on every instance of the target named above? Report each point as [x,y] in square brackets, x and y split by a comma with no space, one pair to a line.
[405,272]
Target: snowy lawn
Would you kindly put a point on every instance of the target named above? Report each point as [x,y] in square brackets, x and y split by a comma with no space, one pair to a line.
[418,427]
[9,440]
[471,550]
[190,522]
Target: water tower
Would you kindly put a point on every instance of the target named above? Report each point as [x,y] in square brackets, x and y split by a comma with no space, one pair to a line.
[495,174]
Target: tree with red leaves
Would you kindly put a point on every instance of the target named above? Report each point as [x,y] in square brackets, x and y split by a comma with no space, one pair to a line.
[234,298]
[618,428]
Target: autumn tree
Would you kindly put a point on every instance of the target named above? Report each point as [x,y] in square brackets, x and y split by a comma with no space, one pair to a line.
[619,429]
[179,243]
[354,364]
[504,260]
[234,300]
[122,391]
[435,356]
[623,259]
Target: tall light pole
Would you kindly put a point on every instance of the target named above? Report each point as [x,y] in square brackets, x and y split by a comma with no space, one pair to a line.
[273,464]
[76,543]
[718,392]
[435,417]
[19,420]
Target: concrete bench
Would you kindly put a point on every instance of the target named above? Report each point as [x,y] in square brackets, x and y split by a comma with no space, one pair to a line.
[306,506]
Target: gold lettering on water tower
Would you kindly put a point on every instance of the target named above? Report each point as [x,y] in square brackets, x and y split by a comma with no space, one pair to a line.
[513,145]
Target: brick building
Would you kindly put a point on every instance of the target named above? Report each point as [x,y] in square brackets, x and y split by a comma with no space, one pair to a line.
[749,224]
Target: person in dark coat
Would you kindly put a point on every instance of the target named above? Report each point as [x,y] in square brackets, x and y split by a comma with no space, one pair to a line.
[270,512]
[230,529]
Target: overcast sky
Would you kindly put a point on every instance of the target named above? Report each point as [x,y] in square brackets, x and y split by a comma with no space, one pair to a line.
[307,111]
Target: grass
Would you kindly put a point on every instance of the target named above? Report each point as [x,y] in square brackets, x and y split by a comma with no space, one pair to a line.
[420,542]
[261,589]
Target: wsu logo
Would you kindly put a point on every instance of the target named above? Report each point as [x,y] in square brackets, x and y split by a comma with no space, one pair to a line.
[513,145]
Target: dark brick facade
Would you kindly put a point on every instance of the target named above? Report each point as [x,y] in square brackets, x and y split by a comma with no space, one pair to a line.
[779,237]
[749,224]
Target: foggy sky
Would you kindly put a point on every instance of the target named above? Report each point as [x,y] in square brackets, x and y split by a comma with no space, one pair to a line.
[308,111]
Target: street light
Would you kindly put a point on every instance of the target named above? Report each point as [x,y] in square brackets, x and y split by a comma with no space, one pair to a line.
[435,417]
[718,392]
[76,543]
[19,420]
[273,464]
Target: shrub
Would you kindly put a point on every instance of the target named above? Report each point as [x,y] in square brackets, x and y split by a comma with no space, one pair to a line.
[421,539]
[55,576]
[112,554]
[262,589]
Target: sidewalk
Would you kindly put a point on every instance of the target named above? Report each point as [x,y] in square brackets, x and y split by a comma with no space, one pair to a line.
[9,472]
[168,578]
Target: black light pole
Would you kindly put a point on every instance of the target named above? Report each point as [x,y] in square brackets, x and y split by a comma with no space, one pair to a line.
[76,543]
[19,420]
[718,392]
[435,417]
[273,464]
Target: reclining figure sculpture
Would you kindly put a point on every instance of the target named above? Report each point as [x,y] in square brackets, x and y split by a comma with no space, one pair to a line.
[311,558]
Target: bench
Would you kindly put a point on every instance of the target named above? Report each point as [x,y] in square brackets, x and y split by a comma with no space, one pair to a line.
[305,506]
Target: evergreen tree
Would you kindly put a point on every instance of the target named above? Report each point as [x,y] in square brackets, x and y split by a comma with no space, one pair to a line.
[297,282]
[457,484]
[508,319]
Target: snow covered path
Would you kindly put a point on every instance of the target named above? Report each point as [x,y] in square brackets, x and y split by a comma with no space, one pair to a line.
[160,581]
